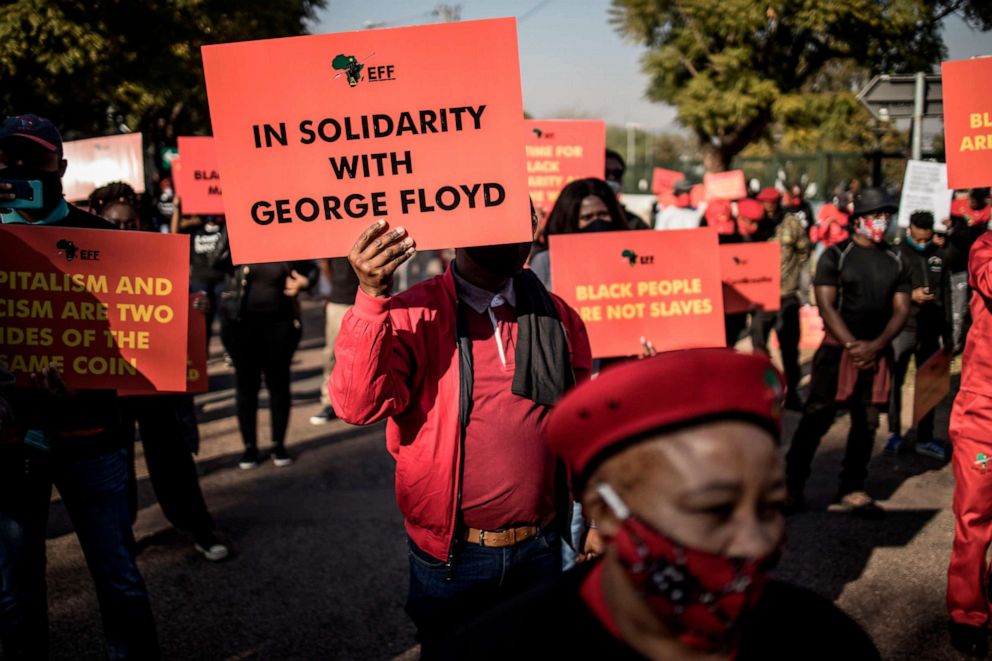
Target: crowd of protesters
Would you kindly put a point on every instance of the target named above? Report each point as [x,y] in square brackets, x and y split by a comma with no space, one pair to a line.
[517,455]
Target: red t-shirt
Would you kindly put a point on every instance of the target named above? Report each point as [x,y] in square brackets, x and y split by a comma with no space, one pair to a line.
[509,470]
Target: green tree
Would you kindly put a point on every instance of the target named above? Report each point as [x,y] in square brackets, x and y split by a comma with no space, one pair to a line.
[734,69]
[94,65]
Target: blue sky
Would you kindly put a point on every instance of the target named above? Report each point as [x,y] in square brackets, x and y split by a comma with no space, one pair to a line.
[571,60]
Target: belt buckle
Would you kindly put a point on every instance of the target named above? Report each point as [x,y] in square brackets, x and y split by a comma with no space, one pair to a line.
[482,538]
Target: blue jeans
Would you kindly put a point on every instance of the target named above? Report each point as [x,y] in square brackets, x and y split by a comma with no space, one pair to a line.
[482,577]
[94,491]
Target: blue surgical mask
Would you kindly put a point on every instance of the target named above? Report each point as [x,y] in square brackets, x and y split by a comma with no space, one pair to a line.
[920,247]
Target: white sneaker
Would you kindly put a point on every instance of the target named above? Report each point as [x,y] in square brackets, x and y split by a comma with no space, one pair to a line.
[211,548]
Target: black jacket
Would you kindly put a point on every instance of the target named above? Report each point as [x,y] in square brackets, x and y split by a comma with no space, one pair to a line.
[239,280]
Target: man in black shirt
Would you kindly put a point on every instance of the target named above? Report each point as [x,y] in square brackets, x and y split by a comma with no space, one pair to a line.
[69,439]
[863,293]
[687,497]
[928,325]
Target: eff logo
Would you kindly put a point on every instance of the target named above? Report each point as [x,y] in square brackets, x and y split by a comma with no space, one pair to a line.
[70,251]
[355,71]
[634,259]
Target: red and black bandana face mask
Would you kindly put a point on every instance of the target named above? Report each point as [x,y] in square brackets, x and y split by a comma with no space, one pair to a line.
[703,597]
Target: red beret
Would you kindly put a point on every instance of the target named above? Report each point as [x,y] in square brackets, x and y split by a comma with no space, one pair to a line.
[628,403]
[750,209]
[769,194]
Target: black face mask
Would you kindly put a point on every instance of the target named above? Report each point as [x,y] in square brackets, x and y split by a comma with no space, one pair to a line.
[598,225]
[504,260]
[51,186]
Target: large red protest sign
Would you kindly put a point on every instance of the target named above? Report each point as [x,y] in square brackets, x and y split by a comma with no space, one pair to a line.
[663,181]
[319,136]
[197,176]
[663,286]
[752,276]
[560,151]
[96,162]
[107,308]
[725,185]
[968,122]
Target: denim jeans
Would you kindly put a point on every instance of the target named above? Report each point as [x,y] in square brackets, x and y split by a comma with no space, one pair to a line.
[482,577]
[94,491]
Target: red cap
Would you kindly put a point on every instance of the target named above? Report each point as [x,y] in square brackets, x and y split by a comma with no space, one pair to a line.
[719,215]
[627,403]
[769,194]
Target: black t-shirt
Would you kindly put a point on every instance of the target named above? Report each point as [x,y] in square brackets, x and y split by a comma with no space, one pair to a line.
[344,282]
[926,269]
[264,295]
[553,622]
[866,280]
[206,243]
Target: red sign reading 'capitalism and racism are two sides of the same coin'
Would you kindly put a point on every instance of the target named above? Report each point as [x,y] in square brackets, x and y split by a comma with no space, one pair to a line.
[559,151]
[107,308]
[319,136]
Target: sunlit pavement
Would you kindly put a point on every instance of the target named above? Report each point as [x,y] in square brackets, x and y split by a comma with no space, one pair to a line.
[319,569]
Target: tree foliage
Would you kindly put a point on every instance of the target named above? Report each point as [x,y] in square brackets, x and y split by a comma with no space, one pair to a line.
[91,65]
[734,69]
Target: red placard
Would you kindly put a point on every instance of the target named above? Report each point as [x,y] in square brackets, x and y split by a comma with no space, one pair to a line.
[968,122]
[811,328]
[108,308]
[663,181]
[197,177]
[319,136]
[197,380]
[663,286]
[933,382]
[725,185]
[752,276]
[560,151]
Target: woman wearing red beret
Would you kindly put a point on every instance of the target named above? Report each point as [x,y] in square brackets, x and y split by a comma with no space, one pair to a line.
[689,497]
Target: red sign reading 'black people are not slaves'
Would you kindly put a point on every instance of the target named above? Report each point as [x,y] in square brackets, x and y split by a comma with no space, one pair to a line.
[319,136]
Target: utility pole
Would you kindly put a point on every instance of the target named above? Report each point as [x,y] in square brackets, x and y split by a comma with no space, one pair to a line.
[919,101]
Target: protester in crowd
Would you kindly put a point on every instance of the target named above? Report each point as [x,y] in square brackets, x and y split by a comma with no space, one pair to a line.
[799,206]
[927,327]
[465,367]
[787,229]
[831,225]
[66,438]
[969,220]
[971,438]
[261,328]
[342,283]
[682,215]
[615,170]
[863,293]
[584,205]
[688,492]
[750,214]
[166,424]
[206,244]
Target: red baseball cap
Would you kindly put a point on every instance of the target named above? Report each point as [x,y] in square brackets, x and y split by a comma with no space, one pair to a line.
[769,194]
[750,209]
[630,403]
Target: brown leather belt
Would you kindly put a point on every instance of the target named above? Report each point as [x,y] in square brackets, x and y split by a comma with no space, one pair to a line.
[500,538]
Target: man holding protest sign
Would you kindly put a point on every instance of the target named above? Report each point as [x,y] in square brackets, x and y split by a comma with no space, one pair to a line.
[465,367]
[66,438]
[794,248]
[863,293]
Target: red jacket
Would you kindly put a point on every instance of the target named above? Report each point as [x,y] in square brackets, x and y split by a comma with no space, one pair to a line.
[397,358]
[976,368]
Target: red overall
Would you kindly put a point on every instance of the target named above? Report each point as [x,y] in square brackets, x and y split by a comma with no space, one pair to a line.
[971,436]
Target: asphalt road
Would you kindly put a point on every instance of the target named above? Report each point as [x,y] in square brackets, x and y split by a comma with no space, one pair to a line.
[319,570]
